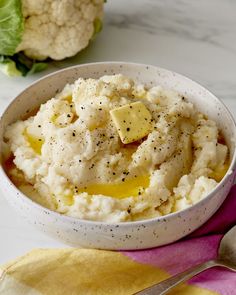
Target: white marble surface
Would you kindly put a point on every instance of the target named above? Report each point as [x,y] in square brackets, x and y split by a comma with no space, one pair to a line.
[195,38]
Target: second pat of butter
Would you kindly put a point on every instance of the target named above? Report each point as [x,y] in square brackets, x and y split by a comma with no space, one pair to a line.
[133,121]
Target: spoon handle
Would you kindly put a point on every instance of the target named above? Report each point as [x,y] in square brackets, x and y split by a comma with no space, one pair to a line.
[166,285]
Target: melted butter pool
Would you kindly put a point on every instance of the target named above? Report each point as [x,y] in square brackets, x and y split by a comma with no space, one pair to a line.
[132,187]
[219,172]
[34,142]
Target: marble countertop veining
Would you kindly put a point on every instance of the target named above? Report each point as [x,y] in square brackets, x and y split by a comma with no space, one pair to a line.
[195,38]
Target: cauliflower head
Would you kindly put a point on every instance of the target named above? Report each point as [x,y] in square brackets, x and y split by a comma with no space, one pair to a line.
[34,30]
[58,29]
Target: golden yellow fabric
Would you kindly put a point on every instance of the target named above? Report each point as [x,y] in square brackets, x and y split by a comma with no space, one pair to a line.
[82,272]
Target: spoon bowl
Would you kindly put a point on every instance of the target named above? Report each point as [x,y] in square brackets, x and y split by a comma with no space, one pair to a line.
[227,249]
[226,258]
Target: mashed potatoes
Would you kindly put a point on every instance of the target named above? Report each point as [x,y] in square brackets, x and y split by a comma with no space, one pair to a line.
[113,150]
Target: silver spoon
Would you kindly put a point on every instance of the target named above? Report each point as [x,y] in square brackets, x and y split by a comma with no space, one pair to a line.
[226,258]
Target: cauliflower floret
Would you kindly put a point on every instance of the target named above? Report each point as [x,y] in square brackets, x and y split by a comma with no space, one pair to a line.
[58,29]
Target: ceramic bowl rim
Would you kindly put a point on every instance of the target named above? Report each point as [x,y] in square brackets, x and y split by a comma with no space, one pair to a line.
[124,224]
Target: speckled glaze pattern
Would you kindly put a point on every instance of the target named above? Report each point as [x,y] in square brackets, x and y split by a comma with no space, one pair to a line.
[130,235]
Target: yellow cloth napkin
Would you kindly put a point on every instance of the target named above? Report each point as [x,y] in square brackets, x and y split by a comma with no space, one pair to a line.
[82,272]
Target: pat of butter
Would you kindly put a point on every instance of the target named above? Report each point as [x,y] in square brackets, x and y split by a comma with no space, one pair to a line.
[133,121]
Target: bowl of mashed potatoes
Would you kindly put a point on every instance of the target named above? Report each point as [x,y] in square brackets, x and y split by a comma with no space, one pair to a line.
[116,155]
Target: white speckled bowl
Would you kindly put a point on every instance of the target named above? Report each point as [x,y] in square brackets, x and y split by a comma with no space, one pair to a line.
[129,235]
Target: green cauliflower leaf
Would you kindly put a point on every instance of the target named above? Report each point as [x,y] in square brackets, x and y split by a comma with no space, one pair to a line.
[11,26]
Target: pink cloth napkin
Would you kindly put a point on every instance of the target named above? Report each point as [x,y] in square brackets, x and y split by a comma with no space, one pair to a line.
[200,246]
